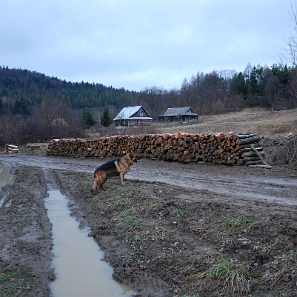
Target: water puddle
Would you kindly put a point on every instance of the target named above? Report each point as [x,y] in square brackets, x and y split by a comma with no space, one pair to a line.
[78,263]
[4,177]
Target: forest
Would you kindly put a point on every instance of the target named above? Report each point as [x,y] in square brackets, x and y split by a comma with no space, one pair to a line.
[35,107]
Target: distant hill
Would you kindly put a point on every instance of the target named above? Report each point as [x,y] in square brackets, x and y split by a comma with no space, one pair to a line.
[23,88]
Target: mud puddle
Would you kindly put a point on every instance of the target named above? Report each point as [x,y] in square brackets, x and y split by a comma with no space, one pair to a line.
[79,268]
[4,177]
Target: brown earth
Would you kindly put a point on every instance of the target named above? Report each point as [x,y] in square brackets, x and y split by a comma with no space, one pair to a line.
[171,230]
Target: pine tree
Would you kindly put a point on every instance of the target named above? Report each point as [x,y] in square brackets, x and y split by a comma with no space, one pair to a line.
[106,119]
[88,119]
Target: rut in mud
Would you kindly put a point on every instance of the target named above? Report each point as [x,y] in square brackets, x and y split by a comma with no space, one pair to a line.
[77,259]
[165,232]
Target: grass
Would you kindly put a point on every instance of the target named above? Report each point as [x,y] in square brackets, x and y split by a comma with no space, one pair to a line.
[29,175]
[12,274]
[252,120]
[176,212]
[152,205]
[240,223]
[284,259]
[20,243]
[157,237]
[125,219]
[140,222]
[234,277]
[85,185]
[16,282]
[21,194]
[121,196]
[19,217]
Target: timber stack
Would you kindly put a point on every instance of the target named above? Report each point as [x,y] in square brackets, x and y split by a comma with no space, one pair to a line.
[11,149]
[227,149]
[251,150]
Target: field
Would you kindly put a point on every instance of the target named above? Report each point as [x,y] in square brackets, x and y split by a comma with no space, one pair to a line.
[251,120]
[178,230]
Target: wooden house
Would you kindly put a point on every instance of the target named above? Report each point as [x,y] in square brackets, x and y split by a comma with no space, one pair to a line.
[132,116]
[179,114]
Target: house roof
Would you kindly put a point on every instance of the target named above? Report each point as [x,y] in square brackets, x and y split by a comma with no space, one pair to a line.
[128,112]
[179,111]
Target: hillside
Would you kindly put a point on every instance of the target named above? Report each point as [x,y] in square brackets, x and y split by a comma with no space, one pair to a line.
[252,120]
[278,130]
[23,88]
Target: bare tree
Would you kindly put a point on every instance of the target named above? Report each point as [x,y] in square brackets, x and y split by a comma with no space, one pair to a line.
[289,52]
[290,55]
[292,89]
[9,130]
[272,89]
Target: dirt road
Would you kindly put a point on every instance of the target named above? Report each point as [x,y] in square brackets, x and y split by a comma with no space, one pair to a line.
[276,185]
[184,219]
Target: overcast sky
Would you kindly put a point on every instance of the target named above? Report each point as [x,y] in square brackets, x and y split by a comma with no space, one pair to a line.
[141,43]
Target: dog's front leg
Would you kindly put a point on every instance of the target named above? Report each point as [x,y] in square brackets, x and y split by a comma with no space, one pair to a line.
[122,178]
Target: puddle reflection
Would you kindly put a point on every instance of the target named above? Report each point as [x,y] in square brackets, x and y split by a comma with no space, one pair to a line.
[77,260]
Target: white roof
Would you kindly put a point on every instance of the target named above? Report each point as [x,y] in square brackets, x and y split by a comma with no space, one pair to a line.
[127,112]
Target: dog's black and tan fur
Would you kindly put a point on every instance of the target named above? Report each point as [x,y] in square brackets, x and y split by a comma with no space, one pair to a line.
[117,167]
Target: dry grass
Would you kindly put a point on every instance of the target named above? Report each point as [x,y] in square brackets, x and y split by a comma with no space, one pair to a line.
[272,127]
[251,120]
[278,130]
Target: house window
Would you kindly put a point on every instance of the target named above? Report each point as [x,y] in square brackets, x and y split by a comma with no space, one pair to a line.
[141,113]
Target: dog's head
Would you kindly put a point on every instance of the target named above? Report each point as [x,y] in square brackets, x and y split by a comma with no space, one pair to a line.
[131,158]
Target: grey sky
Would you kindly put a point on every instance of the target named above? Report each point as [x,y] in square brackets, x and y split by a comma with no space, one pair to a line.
[141,43]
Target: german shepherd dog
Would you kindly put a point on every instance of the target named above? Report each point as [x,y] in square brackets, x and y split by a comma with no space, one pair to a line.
[117,167]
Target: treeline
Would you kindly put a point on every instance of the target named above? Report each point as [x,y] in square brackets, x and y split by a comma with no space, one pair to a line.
[34,106]
[222,91]
[206,93]
[20,89]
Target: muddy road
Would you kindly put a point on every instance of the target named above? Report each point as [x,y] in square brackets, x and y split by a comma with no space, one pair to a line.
[276,185]
[164,232]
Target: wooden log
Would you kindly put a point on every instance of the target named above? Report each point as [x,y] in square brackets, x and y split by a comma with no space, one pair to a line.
[260,156]
[11,146]
[251,154]
[260,165]
[239,162]
[248,145]
[252,139]
[256,158]
[11,149]
[247,149]
[245,135]
[254,162]
[182,147]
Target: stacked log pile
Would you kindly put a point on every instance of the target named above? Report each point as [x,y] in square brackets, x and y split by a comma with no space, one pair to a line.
[252,152]
[231,149]
[11,149]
